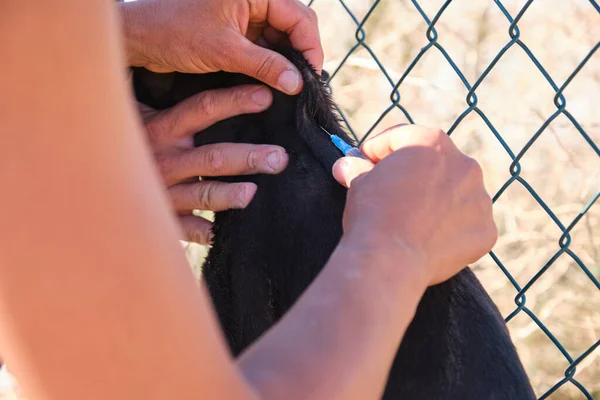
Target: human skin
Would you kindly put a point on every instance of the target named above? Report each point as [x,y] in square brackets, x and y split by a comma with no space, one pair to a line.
[170,135]
[234,36]
[96,302]
[222,35]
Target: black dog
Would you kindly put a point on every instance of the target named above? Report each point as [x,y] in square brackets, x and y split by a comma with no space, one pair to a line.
[264,257]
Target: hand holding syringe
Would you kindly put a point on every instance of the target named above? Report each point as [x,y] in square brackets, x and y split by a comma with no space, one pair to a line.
[344,147]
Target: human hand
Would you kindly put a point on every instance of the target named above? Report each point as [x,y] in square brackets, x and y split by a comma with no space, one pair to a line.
[170,133]
[422,196]
[198,36]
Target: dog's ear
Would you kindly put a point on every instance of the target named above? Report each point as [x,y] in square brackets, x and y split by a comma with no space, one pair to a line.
[315,113]
[152,89]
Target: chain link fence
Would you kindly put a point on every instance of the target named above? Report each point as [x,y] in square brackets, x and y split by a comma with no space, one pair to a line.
[474,69]
[375,49]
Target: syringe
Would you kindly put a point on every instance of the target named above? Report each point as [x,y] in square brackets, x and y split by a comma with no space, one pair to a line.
[344,147]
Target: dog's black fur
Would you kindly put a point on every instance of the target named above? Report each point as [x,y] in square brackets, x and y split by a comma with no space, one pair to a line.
[264,257]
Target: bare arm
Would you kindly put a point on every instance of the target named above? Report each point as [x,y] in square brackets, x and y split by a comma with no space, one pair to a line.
[339,340]
[96,298]
[103,304]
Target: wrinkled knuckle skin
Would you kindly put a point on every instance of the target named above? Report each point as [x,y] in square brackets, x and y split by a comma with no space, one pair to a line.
[252,160]
[214,159]
[205,104]
[203,195]
[266,66]
[239,98]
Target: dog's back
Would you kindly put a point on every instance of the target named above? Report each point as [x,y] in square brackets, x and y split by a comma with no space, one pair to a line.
[264,257]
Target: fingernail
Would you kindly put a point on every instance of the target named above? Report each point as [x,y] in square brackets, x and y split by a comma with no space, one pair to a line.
[241,197]
[261,96]
[288,81]
[340,171]
[274,160]
[246,194]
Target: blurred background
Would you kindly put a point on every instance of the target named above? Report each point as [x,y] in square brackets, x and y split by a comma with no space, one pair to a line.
[562,165]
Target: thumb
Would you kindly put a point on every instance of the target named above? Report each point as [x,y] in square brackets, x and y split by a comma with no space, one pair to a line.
[346,169]
[265,65]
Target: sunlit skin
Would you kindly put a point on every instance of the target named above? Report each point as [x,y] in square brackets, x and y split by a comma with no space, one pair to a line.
[97,300]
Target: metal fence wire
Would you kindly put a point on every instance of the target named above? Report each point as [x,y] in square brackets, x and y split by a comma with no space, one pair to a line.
[513,40]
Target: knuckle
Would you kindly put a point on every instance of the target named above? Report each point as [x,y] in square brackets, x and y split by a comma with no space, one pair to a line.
[438,137]
[312,15]
[203,195]
[205,104]
[477,171]
[488,238]
[239,98]
[214,158]
[258,8]
[252,160]
[266,66]
[433,138]
[474,171]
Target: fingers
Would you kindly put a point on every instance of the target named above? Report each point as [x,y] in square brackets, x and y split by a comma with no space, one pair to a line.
[265,65]
[211,195]
[196,229]
[400,136]
[275,37]
[346,169]
[222,159]
[205,109]
[270,37]
[301,25]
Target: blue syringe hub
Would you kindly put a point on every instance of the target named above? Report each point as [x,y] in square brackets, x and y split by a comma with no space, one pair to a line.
[346,149]
[340,144]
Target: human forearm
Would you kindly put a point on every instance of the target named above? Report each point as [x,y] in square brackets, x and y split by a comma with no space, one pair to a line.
[346,326]
[105,306]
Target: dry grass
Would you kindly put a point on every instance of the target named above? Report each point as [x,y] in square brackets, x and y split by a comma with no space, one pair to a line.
[561,167]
